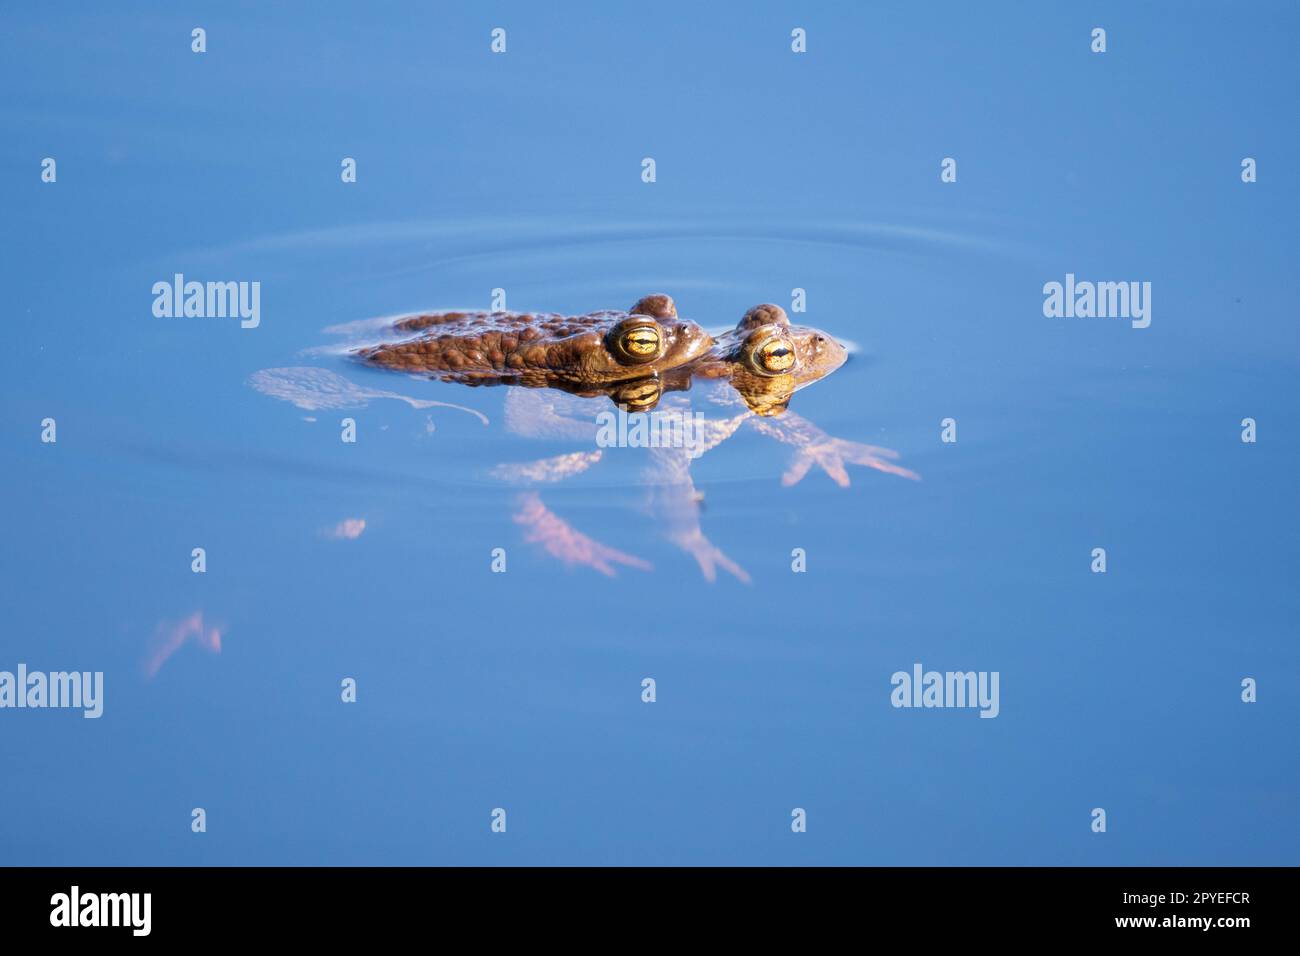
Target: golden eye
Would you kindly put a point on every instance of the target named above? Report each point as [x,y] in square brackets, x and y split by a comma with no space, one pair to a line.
[639,343]
[774,356]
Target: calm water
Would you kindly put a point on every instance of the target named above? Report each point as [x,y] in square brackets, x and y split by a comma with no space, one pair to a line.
[522,690]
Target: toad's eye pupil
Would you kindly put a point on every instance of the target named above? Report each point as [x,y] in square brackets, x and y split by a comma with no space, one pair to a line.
[641,342]
[777,356]
[636,343]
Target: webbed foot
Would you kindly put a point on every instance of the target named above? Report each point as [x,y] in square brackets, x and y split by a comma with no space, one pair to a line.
[708,556]
[561,540]
[812,446]
[831,454]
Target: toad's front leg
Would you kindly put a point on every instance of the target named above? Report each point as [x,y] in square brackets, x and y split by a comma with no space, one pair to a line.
[675,504]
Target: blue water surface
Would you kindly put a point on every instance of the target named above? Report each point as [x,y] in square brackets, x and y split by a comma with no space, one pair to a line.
[775,171]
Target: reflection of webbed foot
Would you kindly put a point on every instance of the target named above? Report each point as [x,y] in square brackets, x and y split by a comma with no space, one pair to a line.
[707,555]
[830,454]
[561,540]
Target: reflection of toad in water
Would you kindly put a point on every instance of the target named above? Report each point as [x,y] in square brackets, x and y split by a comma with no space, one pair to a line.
[645,360]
